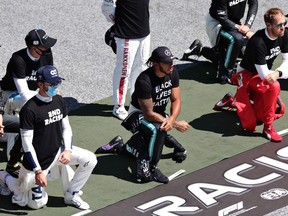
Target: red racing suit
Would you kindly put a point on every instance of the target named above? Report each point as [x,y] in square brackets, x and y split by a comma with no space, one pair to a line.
[256,100]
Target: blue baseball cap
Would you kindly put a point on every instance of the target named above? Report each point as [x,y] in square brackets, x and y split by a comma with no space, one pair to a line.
[48,74]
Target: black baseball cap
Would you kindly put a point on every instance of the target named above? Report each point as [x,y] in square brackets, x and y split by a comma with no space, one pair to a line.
[38,37]
[110,38]
[48,74]
[162,54]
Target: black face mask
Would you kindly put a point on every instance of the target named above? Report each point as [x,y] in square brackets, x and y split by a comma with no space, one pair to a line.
[47,52]
[43,53]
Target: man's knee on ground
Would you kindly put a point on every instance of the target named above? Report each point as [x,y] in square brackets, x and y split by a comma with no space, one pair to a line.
[37,197]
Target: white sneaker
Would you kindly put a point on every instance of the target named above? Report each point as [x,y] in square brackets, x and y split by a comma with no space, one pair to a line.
[76,201]
[120,112]
[80,193]
[4,190]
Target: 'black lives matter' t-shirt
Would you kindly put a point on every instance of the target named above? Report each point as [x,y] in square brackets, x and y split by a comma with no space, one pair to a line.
[148,85]
[261,50]
[45,119]
[22,66]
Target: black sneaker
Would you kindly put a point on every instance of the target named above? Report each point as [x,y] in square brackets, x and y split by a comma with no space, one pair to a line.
[224,75]
[13,170]
[194,49]
[231,72]
[223,80]
[179,155]
[114,146]
[143,171]
[158,176]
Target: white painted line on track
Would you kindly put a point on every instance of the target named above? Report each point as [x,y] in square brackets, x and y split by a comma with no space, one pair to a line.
[82,213]
[179,172]
[283,131]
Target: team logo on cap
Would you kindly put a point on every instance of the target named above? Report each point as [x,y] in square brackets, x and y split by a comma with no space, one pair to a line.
[35,43]
[168,53]
[53,72]
[45,36]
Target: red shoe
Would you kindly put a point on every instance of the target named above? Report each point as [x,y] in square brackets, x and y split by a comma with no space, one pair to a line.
[270,133]
[226,101]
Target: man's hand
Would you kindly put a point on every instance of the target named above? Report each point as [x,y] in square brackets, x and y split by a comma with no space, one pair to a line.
[40,179]
[243,29]
[167,124]
[271,78]
[65,157]
[181,126]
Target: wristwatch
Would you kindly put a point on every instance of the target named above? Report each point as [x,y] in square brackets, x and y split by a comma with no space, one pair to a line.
[280,73]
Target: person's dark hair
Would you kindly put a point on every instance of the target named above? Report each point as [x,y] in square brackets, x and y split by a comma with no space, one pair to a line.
[271,13]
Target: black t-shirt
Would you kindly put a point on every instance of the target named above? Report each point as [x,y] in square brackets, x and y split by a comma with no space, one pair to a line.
[132,19]
[148,85]
[45,119]
[261,50]
[229,12]
[22,66]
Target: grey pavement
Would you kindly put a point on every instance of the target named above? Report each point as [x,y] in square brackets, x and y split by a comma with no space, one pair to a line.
[81,55]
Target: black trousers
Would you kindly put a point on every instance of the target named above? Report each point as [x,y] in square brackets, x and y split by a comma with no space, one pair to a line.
[12,125]
[147,143]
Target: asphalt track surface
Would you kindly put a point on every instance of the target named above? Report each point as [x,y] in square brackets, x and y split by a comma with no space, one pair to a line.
[251,199]
[81,55]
